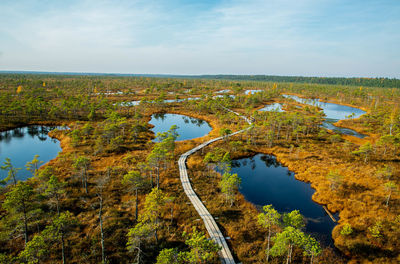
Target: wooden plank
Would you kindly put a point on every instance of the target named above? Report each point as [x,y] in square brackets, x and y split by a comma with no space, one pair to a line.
[209,222]
[329,213]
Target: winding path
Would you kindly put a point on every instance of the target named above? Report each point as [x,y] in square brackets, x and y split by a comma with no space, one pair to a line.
[211,226]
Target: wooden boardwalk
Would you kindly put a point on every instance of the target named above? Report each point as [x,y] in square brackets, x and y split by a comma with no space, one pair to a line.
[209,222]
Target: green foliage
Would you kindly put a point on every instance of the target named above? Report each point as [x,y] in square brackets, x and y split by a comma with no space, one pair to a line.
[369,82]
[202,250]
[11,171]
[168,256]
[19,203]
[390,188]
[153,205]
[293,219]
[229,185]
[62,224]
[226,163]
[365,150]
[376,229]
[224,132]
[6,259]
[136,237]
[45,173]
[54,190]
[311,246]
[39,248]
[335,179]
[81,164]
[346,230]
[163,150]
[285,240]
[385,172]
[35,250]
[116,143]
[33,166]
[236,145]
[335,138]
[133,180]
[268,217]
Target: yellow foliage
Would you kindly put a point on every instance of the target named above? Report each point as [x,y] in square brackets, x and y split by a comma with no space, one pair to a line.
[44,84]
[19,89]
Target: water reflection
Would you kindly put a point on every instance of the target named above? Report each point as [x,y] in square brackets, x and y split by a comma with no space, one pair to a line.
[266,181]
[22,144]
[277,107]
[334,113]
[188,127]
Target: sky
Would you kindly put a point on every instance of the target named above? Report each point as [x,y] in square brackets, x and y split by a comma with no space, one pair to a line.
[357,38]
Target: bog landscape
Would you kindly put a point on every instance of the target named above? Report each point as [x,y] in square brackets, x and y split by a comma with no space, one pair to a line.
[200,132]
[90,169]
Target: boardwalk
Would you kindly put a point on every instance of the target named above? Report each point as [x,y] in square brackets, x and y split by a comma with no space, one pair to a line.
[209,222]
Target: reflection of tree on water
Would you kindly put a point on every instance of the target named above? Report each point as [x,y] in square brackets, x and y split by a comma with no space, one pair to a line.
[186,119]
[238,163]
[5,136]
[270,160]
[195,121]
[41,132]
[18,133]
[160,116]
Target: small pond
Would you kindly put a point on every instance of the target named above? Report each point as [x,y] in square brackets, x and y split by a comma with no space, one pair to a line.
[224,96]
[135,103]
[188,127]
[252,91]
[22,144]
[265,181]
[277,107]
[223,91]
[334,113]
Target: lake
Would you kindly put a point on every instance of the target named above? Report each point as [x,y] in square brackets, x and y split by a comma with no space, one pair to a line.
[22,144]
[188,127]
[265,181]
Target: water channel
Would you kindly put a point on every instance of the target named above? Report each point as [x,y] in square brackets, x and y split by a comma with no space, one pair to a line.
[334,113]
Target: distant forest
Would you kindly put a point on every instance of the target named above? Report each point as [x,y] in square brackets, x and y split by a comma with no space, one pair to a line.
[368,82]
[355,81]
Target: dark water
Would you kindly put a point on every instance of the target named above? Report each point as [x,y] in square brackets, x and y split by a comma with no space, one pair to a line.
[188,127]
[265,181]
[334,113]
[22,144]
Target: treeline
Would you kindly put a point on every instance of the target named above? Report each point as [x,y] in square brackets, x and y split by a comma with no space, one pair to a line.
[369,82]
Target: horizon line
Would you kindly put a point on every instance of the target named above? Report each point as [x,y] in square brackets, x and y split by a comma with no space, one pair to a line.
[178,75]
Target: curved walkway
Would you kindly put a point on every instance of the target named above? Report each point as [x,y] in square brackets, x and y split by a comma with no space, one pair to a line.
[209,222]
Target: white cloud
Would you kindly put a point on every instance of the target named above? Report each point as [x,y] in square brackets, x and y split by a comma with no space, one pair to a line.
[265,37]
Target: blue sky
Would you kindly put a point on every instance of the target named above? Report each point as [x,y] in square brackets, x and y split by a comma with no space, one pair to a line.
[286,37]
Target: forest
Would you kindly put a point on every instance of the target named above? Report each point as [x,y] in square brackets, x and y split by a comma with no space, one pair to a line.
[113,193]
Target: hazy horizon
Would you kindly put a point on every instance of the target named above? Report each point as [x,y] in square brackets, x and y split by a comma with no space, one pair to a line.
[332,38]
[177,75]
